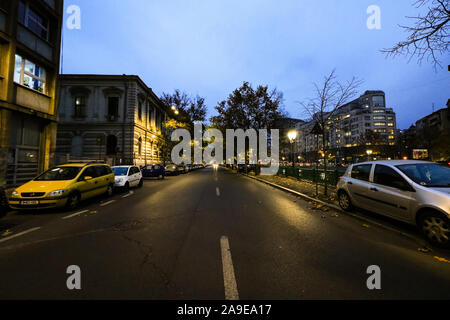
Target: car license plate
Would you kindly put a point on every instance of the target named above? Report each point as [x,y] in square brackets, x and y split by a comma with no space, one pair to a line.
[29,203]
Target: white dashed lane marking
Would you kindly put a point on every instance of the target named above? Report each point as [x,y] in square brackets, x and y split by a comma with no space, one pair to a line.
[75,214]
[128,194]
[107,203]
[19,234]
[218,191]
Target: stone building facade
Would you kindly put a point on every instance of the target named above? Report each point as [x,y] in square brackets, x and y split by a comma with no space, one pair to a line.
[113,118]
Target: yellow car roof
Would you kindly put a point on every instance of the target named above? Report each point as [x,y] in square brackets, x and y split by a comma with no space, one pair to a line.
[78,164]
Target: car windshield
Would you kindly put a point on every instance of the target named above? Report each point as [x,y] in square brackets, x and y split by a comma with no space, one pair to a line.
[121,171]
[59,174]
[428,174]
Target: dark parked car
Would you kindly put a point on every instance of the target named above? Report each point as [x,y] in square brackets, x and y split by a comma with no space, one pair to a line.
[182,168]
[154,171]
[172,170]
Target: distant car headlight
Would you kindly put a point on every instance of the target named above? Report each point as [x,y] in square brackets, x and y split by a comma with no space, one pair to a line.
[57,193]
[14,194]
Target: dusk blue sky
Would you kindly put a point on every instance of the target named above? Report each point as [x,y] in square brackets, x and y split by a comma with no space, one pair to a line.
[209,47]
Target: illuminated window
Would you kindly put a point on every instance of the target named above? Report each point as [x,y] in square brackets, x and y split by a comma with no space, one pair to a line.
[379,118]
[380,124]
[391,137]
[390,124]
[29,74]
[80,107]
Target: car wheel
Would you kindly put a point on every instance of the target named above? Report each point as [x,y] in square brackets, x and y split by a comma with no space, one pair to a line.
[109,191]
[436,228]
[141,183]
[160,177]
[73,201]
[344,201]
[126,187]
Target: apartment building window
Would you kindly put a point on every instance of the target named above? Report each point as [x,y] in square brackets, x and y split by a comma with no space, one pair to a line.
[80,107]
[379,111]
[113,108]
[378,101]
[379,118]
[29,74]
[140,111]
[140,146]
[35,22]
[367,118]
[368,124]
[380,124]
[390,124]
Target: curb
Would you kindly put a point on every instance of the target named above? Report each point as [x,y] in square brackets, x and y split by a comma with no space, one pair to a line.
[415,238]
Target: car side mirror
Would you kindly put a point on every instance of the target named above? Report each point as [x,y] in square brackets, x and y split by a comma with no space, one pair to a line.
[88,178]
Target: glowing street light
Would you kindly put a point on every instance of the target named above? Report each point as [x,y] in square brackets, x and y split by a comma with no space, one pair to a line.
[292,135]
[369,153]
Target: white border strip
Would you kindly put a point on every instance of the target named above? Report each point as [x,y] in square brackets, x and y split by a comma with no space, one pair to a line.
[229,280]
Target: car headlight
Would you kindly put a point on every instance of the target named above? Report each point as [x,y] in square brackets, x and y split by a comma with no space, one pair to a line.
[56,193]
[14,194]
[118,180]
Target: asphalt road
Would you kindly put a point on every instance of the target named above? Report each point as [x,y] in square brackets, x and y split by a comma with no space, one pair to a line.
[170,240]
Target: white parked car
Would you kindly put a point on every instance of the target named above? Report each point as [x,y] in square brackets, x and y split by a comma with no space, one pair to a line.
[416,192]
[127,177]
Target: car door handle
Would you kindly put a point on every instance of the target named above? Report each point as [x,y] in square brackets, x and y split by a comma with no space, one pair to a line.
[374,189]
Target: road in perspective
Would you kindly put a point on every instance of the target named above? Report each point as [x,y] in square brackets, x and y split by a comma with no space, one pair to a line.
[214,234]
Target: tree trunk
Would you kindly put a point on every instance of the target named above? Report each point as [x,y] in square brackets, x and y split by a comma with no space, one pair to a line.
[325,162]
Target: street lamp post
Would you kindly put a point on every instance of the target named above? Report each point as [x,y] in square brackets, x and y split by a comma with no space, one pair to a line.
[369,153]
[292,135]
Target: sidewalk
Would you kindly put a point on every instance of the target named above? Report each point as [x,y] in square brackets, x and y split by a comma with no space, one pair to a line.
[304,187]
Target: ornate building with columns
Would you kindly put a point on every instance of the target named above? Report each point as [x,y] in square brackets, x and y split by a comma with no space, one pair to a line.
[112,118]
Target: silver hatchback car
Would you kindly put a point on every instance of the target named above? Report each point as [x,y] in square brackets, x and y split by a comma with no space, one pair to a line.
[416,192]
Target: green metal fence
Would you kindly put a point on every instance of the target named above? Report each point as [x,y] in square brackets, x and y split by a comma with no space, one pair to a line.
[312,174]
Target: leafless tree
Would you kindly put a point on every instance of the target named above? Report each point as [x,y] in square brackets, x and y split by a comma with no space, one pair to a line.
[321,109]
[429,36]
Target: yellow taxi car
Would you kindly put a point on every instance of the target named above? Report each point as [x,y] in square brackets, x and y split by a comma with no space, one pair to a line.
[64,186]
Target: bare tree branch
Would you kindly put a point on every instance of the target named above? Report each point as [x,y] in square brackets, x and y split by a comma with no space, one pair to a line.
[329,97]
[429,36]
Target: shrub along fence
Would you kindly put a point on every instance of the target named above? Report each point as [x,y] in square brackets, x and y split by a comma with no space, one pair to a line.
[312,174]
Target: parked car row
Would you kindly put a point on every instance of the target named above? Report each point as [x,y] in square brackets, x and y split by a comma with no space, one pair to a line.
[176,169]
[65,186]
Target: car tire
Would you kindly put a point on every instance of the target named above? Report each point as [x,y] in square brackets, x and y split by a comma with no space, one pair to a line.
[109,191]
[73,201]
[141,183]
[344,201]
[160,177]
[126,187]
[436,229]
